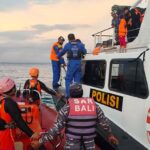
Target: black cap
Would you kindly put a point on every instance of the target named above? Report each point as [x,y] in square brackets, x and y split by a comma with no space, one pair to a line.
[71,37]
[61,38]
[76,90]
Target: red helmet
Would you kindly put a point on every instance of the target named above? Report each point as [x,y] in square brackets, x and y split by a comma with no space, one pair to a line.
[6,84]
[34,72]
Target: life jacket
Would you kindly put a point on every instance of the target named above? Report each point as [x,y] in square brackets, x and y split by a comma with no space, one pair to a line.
[6,139]
[74,52]
[53,55]
[35,85]
[31,115]
[96,51]
[81,122]
[122,28]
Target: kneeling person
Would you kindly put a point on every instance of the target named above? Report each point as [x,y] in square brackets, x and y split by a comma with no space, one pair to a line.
[35,84]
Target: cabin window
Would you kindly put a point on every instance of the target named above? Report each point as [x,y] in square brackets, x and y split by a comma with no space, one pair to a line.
[93,73]
[127,76]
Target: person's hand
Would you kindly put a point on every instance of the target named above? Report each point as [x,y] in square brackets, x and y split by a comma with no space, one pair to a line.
[63,65]
[112,139]
[59,96]
[35,145]
[35,136]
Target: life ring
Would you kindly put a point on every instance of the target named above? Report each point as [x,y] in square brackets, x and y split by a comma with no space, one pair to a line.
[148,126]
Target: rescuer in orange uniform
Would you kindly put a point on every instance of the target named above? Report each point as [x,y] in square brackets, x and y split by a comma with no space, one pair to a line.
[56,63]
[10,115]
[35,84]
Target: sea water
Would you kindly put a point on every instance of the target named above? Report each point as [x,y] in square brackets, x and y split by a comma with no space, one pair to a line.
[20,73]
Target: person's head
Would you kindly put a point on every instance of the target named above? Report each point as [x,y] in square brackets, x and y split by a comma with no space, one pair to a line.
[61,40]
[78,40]
[34,72]
[71,37]
[114,13]
[76,90]
[126,10]
[7,86]
[98,45]
[121,16]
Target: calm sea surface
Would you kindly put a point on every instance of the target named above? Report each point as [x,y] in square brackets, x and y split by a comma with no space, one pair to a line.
[19,72]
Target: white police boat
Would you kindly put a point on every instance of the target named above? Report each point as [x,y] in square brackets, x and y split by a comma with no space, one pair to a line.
[120,83]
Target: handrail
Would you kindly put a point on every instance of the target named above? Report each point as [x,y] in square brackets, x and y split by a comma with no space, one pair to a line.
[101,31]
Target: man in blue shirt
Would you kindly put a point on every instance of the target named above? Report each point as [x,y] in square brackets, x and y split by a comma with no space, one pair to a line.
[75,51]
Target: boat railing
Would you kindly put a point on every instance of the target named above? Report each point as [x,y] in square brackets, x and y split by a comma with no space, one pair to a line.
[133,35]
[112,39]
[99,36]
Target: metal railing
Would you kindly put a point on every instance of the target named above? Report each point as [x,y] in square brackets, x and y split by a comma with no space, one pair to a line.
[99,35]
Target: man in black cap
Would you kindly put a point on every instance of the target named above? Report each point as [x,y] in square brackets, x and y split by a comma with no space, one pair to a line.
[56,63]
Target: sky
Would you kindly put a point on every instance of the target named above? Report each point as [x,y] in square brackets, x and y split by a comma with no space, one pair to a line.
[29,27]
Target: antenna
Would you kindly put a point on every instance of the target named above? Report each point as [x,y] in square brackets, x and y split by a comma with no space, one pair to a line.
[136,4]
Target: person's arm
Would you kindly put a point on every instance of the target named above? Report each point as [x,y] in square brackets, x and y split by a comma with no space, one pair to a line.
[102,120]
[2,124]
[83,48]
[65,49]
[59,124]
[46,89]
[62,61]
[13,110]
[56,48]
[104,123]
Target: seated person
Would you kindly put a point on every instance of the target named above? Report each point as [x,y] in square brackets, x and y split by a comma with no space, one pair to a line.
[97,49]
[35,84]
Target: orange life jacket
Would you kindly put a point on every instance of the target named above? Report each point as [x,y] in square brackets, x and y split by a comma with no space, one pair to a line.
[34,84]
[122,28]
[31,115]
[53,55]
[96,51]
[6,139]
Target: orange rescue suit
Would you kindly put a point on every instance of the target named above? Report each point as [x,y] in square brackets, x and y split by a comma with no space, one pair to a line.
[53,55]
[6,139]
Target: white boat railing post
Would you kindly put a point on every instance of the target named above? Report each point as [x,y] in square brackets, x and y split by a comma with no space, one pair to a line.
[113,37]
[98,36]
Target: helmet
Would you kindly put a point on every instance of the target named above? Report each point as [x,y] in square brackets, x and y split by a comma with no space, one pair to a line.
[76,90]
[6,84]
[61,38]
[34,72]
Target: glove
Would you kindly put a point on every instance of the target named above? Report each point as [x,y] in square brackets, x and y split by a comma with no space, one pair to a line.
[113,140]
[59,95]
